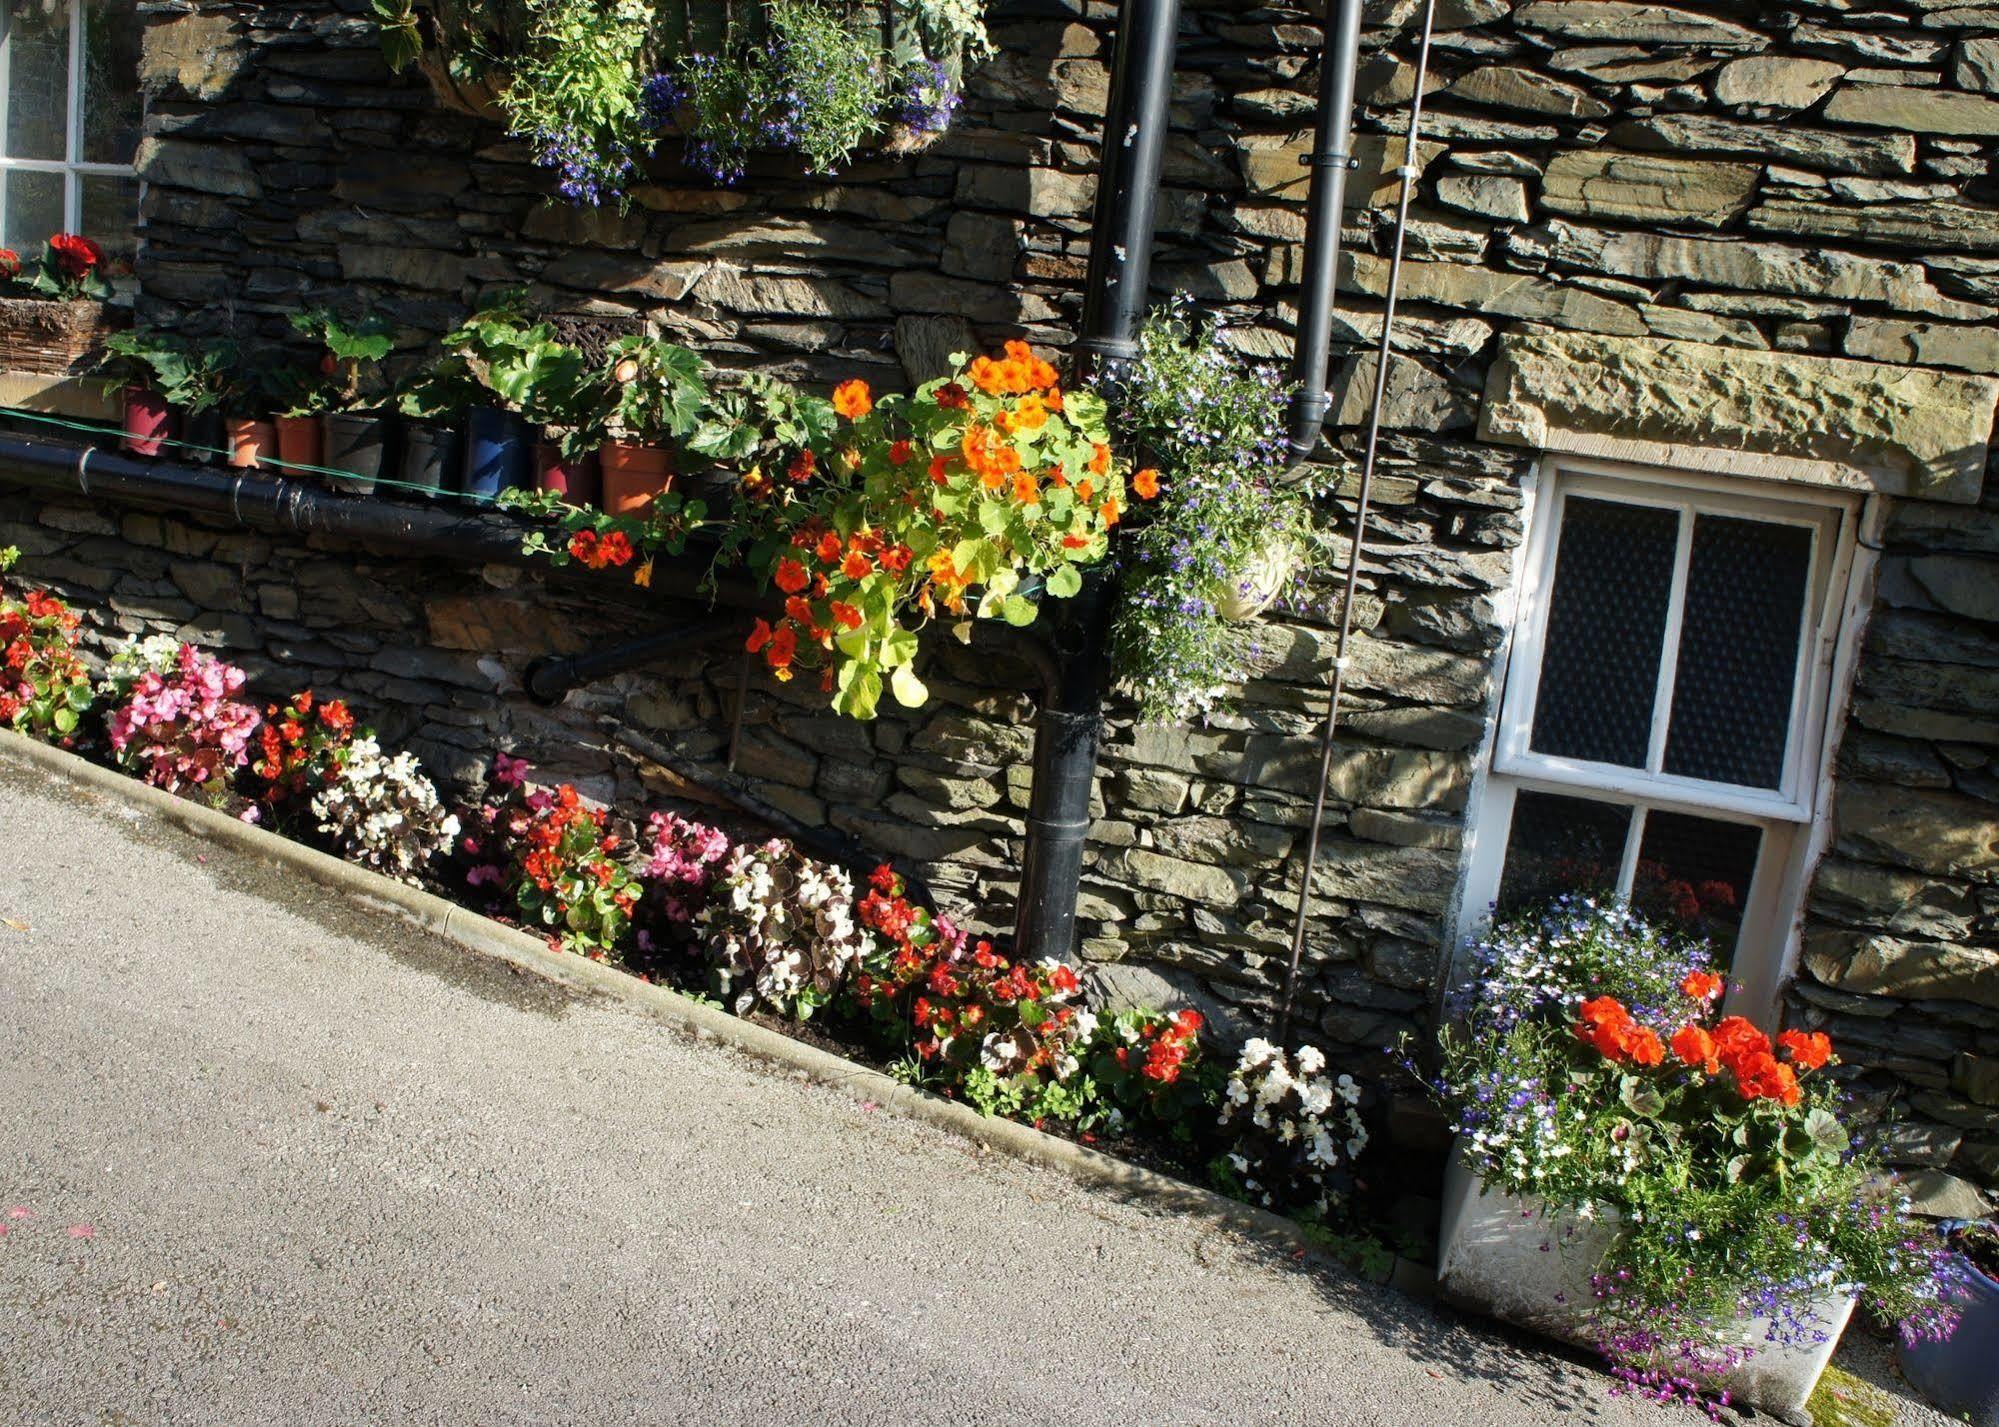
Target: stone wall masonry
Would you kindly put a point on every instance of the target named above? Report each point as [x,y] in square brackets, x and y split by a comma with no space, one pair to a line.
[1812,178]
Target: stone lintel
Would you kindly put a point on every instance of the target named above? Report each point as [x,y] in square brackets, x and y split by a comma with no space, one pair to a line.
[1830,421]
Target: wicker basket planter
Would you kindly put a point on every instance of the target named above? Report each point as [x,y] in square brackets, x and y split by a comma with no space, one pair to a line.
[39,334]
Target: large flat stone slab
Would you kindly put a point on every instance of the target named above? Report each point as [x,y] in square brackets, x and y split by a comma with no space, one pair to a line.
[1868,426]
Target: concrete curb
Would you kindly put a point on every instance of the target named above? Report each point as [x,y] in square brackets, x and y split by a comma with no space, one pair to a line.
[485,937]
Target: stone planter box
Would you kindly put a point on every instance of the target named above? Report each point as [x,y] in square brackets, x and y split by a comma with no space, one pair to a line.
[58,338]
[1502,1256]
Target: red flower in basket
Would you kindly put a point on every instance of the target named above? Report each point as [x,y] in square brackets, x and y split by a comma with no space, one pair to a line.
[10,264]
[75,254]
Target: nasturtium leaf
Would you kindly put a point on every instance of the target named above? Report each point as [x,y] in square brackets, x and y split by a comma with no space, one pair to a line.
[1064,581]
[1018,611]
[907,688]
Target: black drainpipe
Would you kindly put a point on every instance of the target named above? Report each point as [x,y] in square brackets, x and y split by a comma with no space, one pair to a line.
[1127,212]
[1069,728]
[1331,160]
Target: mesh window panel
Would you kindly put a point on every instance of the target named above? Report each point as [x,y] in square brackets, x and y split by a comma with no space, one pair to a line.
[1560,844]
[1606,626]
[1694,874]
[1746,584]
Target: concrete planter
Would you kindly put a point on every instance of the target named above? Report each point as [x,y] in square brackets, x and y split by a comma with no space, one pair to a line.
[1502,1256]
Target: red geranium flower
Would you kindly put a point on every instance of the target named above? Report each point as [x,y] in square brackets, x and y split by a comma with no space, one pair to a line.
[1809,1049]
[75,254]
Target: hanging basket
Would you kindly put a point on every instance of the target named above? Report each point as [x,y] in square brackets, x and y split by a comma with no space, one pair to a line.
[1256,586]
[56,338]
[479,97]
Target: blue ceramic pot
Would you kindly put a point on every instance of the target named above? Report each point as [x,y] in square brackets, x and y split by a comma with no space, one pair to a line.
[1961,1374]
[497,455]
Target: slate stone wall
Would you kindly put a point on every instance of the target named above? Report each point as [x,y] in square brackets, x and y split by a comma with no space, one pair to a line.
[1809,177]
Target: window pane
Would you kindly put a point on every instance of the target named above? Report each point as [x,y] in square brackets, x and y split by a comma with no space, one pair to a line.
[111,216]
[1694,874]
[1560,844]
[1746,587]
[37,54]
[33,211]
[1606,625]
[110,83]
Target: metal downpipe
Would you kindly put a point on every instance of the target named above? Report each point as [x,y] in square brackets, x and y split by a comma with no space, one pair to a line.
[1330,160]
[1116,289]
[1069,726]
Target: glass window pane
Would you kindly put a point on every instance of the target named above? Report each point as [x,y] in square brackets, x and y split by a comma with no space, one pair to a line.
[1694,874]
[110,83]
[1746,587]
[37,60]
[32,210]
[111,216]
[1560,844]
[1606,625]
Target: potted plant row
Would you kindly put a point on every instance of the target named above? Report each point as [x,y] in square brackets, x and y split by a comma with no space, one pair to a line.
[503,406]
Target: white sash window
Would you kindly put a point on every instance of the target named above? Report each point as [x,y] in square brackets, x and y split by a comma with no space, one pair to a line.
[1662,724]
[69,124]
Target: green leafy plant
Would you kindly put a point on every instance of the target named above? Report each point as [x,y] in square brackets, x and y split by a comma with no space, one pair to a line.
[351,355]
[1222,526]
[594,85]
[577,95]
[649,390]
[440,391]
[193,376]
[518,358]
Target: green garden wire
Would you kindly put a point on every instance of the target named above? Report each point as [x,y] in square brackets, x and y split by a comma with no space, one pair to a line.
[91,428]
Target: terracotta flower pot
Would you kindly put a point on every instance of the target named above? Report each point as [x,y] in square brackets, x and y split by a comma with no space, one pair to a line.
[575,478]
[251,442]
[148,422]
[634,476]
[301,442]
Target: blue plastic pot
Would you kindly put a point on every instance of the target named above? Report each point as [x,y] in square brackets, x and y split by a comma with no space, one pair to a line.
[1961,1374]
[497,454]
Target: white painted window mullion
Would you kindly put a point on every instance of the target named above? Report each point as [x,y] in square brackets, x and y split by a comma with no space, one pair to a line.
[1669,655]
[72,184]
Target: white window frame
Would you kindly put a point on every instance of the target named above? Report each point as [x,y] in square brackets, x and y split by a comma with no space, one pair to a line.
[73,168]
[1793,817]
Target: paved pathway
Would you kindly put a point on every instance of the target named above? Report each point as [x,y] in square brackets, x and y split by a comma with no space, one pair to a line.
[283,1162]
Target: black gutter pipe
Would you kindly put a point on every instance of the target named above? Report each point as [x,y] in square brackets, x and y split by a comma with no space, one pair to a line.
[1133,152]
[1330,160]
[1069,726]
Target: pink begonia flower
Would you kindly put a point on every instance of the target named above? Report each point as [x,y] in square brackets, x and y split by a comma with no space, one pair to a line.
[509,772]
[182,729]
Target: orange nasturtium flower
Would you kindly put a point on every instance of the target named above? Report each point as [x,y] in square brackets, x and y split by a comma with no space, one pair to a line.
[851,399]
[1024,489]
[1146,483]
[791,576]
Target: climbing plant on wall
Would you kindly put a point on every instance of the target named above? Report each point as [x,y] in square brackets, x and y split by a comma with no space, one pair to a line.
[597,88]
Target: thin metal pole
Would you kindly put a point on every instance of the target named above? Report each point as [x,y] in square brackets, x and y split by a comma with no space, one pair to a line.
[1408,173]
